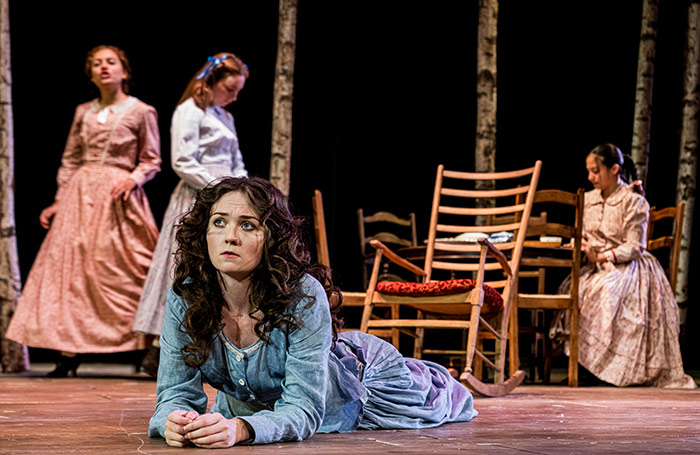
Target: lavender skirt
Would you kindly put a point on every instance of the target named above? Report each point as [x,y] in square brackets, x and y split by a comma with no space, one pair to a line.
[405,393]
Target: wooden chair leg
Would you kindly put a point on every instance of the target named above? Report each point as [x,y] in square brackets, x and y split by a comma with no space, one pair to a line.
[573,348]
[395,332]
[514,340]
[541,335]
[418,341]
[546,377]
[418,344]
[477,363]
[498,376]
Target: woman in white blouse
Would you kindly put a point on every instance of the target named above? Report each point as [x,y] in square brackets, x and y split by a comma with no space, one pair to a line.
[204,148]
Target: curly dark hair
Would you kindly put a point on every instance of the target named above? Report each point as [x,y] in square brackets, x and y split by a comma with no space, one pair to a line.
[275,283]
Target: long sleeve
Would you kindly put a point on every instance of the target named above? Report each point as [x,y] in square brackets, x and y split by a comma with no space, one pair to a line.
[300,410]
[73,152]
[184,133]
[149,159]
[238,167]
[634,224]
[204,145]
[179,386]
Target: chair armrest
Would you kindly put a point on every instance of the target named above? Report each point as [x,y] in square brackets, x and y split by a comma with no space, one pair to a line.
[396,259]
[497,254]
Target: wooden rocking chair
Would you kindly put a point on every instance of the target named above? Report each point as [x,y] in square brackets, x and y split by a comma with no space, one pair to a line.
[470,305]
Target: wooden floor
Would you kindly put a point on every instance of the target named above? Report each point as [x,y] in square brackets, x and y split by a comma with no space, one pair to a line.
[106,411]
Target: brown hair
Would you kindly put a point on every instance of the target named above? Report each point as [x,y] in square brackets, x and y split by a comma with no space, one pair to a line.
[217,67]
[126,82]
[275,284]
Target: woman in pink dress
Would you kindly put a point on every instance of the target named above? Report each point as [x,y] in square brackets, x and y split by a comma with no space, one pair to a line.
[84,286]
[629,320]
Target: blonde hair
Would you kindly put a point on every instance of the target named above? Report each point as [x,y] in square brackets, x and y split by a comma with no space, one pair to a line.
[217,67]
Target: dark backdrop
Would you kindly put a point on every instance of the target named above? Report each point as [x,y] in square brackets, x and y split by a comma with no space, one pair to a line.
[384,92]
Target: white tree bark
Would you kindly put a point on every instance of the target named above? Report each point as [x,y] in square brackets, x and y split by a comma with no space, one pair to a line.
[281,153]
[485,150]
[645,83]
[14,356]
[688,159]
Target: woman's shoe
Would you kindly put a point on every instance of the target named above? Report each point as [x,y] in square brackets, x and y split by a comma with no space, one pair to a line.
[588,379]
[150,362]
[64,366]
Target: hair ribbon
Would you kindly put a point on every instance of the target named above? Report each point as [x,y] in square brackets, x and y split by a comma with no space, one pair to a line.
[213,63]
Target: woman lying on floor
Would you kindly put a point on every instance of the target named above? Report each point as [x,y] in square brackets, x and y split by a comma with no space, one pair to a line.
[250,314]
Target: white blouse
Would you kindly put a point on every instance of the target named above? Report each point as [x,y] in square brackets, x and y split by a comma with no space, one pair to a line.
[204,144]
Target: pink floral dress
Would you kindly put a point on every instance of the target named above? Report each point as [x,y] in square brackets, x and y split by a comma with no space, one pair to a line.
[83,289]
[629,318]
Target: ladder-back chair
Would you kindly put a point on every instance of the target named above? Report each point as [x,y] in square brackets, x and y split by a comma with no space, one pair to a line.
[350,298]
[671,241]
[545,253]
[465,304]
[391,230]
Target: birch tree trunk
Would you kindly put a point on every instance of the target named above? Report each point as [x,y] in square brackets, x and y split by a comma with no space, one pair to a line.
[645,83]
[688,159]
[485,151]
[14,356]
[281,153]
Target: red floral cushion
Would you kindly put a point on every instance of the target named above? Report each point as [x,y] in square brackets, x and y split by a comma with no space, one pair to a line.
[492,298]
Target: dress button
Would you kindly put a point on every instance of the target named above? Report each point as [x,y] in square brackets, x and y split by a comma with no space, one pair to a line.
[241,382]
[239,357]
[252,397]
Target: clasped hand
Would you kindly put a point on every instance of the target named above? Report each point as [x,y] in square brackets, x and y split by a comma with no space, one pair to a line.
[210,431]
[591,253]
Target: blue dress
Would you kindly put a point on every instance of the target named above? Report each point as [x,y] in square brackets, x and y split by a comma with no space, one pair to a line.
[297,384]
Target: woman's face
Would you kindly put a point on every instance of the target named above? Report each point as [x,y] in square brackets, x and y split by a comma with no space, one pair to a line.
[225,91]
[235,236]
[107,69]
[602,177]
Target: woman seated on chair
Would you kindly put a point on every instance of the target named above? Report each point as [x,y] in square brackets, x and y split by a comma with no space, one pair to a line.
[629,318]
[250,314]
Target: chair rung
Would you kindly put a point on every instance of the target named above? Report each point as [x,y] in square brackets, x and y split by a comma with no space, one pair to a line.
[419,323]
[545,301]
[410,333]
[546,262]
[444,351]
[490,329]
[528,273]
[354,298]
[380,333]
[486,359]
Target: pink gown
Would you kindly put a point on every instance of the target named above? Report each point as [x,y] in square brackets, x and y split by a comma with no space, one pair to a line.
[629,320]
[84,286]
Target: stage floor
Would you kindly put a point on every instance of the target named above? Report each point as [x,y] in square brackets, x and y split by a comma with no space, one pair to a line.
[106,411]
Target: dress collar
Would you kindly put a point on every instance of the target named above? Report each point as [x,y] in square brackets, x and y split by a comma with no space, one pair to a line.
[615,197]
[116,107]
